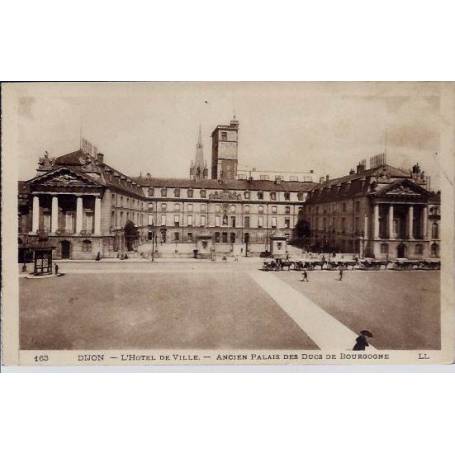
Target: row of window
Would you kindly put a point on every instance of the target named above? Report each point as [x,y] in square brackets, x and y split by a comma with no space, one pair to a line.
[226,221]
[232,208]
[203,194]
[118,200]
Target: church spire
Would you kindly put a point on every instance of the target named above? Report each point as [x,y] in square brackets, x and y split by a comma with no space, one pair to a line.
[198,169]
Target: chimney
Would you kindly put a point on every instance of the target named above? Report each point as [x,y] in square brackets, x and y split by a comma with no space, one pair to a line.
[351,172]
[360,168]
[100,157]
[327,177]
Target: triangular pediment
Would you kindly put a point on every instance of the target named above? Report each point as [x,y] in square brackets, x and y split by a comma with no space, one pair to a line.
[405,188]
[64,177]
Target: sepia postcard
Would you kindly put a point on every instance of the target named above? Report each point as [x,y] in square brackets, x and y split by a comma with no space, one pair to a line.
[227,223]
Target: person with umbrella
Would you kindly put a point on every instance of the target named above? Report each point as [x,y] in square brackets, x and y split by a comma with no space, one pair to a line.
[361,342]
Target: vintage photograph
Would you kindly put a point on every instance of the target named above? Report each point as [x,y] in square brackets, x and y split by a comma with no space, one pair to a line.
[242,222]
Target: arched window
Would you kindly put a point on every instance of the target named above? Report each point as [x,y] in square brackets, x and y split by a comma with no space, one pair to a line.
[86,246]
[434,249]
[435,231]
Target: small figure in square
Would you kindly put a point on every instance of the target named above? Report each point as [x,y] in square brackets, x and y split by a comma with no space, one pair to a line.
[56,269]
[340,273]
[305,275]
[361,342]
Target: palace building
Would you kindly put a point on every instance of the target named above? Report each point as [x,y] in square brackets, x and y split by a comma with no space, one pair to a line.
[381,212]
[83,208]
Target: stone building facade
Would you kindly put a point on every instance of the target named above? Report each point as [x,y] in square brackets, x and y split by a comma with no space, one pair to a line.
[383,212]
[222,216]
[81,206]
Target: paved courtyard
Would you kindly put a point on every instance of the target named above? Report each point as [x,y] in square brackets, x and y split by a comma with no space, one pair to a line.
[201,305]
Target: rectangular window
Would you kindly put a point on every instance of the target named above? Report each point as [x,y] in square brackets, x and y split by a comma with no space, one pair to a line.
[300,196]
[176,220]
[273,208]
[274,221]
[246,194]
[189,207]
[247,222]
[223,135]
[151,220]
[287,196]
[217,221]
[203,193]
[190,220]
[225,237]
[151,192]
[190,193]
[273,196]
[163,220]
[190,236]
[176,236]
[177,192]
[202,220]
[287,223]
[287,210]
[246,209]
[203,208]
[225,220]
[177,206]
[217,237]
[260,221]
[163,192]
[260,209]
[260,195]
[264,177]
[163,206]
[233,221]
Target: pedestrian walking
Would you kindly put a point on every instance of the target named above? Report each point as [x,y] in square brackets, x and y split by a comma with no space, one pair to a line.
[56,269]
[340,272]
[305,275]
[361,342]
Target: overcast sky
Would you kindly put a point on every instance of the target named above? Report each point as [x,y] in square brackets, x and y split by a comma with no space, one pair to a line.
[284,126]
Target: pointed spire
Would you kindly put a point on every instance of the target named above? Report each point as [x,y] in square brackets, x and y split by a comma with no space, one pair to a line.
[199,140]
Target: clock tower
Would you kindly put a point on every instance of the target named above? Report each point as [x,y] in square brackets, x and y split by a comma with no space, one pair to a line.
[225,151]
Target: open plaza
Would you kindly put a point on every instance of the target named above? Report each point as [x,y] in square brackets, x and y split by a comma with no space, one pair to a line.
[196,304]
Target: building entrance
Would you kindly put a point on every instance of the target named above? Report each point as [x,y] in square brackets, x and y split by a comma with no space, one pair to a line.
[66,249]
[401,250]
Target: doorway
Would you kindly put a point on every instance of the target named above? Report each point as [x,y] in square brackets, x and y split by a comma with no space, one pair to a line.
[66,249]
[401,250]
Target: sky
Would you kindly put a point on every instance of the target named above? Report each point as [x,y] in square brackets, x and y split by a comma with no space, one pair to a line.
[153,127]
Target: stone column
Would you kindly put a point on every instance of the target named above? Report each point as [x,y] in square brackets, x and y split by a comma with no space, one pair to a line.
[425,222]
[54,215]
[391,233]
[410,221]
[97,216]
[35,214]
[376,221]
[78,215]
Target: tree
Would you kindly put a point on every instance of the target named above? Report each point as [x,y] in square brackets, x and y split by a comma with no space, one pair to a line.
[131,234]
